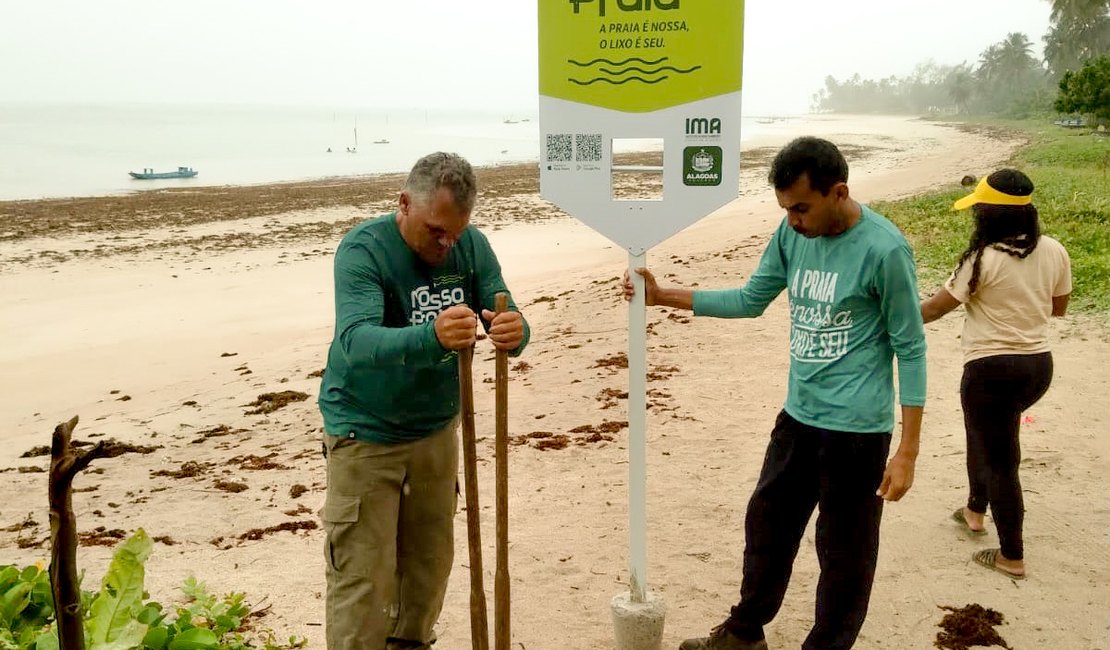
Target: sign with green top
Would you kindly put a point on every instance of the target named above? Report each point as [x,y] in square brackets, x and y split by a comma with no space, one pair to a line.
[639,56]
[641,71]
[651,75]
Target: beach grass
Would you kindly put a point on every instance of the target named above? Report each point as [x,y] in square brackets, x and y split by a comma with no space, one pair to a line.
[1071,172]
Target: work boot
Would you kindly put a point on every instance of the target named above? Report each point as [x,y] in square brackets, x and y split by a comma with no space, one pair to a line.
[406,644]
[721,639]
[397,643]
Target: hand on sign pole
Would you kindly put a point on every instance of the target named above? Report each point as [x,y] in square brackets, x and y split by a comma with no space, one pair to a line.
[651,287]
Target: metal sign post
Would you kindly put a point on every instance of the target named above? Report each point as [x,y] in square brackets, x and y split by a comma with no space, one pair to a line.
[664,70]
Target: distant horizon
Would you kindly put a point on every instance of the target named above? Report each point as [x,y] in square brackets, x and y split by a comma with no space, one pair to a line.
[86,149]
[508,111]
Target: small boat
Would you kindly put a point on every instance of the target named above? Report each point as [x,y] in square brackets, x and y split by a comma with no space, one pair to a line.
[148,174]
[354,149]
[1073,123]
[382,141]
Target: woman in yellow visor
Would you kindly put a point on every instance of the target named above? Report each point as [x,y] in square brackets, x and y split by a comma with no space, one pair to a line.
[1011,280]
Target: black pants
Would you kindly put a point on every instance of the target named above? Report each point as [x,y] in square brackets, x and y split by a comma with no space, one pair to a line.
[805,467]
[994,391]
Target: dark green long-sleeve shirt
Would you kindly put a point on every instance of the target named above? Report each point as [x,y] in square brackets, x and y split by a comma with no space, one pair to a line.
[388,379]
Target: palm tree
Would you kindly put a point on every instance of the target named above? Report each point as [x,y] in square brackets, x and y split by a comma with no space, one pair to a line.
[961,85]
[1080,31]
[1082,9]
[1015,56]
[1008,73]
[989,70]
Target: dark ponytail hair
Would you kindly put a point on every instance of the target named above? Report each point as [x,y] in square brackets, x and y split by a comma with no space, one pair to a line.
[1012,229]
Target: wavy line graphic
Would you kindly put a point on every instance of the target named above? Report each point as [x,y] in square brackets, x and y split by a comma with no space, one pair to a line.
[635,58]
[619,74]
[655,71]
[618,82]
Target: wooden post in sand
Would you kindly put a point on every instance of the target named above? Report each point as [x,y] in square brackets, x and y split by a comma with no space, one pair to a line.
[479,621]
[502,635]
[65,463]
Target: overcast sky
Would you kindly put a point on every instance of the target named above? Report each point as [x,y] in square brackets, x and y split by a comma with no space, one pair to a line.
[441,53]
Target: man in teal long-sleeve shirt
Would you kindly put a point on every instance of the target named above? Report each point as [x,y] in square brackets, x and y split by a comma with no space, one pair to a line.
[851,281]
[410,289]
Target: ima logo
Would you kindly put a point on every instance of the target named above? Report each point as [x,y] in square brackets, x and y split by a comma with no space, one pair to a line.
[703,126]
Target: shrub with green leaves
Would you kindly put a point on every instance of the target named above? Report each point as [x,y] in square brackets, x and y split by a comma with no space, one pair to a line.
[26,606]
[1086,90]
[118,617]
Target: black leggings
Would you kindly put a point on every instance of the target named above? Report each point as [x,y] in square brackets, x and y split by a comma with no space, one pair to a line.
[994,391]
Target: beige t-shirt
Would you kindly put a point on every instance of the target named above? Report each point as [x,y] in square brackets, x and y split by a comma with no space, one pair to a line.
[1010,310]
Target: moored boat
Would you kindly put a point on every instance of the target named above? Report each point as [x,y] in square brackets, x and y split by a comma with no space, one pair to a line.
[148,174]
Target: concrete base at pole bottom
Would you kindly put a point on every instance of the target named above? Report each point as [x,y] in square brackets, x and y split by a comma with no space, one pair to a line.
[638,626]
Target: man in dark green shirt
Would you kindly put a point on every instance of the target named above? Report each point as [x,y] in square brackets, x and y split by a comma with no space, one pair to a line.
[410,289]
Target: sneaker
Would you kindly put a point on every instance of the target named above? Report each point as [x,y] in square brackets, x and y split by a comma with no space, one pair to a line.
[722,639]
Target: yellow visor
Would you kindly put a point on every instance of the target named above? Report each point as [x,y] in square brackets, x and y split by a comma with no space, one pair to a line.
[984,193]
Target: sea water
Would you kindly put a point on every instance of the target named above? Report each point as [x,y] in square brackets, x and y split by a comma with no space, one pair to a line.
[87,150]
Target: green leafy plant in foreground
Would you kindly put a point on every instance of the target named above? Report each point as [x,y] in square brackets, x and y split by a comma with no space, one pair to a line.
[118,616]
[26,605]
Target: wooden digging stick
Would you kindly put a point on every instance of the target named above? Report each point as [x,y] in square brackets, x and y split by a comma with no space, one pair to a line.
[502,636]
[479,621]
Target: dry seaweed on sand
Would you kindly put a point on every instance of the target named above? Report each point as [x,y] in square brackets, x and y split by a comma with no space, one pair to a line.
[968,626]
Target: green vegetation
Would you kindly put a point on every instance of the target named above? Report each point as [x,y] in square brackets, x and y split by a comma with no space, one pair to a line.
[1011,78]
[119,618]
[1007,80]
[1079,30]
[1071,171]
[1087,91]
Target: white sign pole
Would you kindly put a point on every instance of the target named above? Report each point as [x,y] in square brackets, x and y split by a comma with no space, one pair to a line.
[666,70]
[637,432]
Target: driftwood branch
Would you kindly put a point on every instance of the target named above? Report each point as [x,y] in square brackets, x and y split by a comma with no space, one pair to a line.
[65,463]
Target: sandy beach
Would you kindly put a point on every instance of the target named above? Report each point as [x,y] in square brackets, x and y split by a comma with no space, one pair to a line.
[159,318]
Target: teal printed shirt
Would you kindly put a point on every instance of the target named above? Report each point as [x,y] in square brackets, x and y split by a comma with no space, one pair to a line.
[853,307]
[388,379]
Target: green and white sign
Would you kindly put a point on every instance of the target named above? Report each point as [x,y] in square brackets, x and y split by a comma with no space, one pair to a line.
[664,71]
[658,70]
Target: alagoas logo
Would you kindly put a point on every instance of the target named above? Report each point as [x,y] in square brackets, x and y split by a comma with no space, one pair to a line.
[628,5]
[702,162]
[701,166]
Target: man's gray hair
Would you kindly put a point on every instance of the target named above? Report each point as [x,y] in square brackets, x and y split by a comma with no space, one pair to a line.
[441,169]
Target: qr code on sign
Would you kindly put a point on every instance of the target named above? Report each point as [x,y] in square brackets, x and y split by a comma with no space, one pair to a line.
[559,147]
[588,146]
